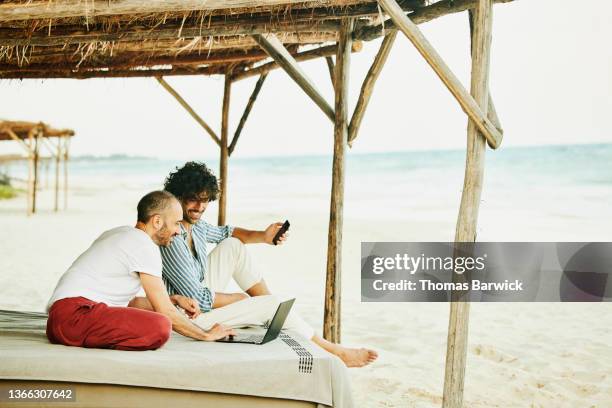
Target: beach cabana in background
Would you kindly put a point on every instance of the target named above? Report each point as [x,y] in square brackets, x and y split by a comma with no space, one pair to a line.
[245,38]
[31,136]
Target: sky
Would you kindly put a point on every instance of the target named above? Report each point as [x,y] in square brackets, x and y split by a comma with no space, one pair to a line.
[550,81]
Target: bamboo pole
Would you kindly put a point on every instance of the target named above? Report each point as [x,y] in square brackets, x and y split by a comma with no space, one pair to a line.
[189,109]
[247,111]
[470,201]
[368,85]
[224,148]
[277,51]
[467,102]
[333,288]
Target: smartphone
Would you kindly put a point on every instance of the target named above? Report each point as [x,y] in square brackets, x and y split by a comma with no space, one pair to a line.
[281,231]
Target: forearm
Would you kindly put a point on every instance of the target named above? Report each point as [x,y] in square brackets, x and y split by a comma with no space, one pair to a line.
[223,299]
[249,236]
[183,326]
[180,323]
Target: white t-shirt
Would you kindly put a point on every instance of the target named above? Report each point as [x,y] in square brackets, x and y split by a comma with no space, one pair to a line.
[108,270]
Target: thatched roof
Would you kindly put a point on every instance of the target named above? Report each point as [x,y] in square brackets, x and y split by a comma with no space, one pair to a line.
[107,38]
[23,130]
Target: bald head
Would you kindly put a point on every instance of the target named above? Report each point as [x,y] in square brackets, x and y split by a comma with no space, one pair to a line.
[156,202]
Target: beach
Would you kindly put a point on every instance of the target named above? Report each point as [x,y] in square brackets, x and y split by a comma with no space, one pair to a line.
[519,354]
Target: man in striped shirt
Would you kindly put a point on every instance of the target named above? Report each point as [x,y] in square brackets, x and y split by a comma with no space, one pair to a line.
[190,270]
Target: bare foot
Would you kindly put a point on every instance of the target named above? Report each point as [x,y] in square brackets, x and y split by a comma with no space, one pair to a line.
[353,357]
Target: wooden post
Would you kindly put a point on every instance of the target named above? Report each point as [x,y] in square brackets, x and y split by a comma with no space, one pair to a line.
[28,148]
[456,351]
[31,159]
[368,85]
[224,148]
[58,157]
[467,102]
[332,312]
[37,143]
[330,66]
[66,147]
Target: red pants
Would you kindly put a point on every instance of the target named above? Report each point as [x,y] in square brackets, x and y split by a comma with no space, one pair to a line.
[82,322]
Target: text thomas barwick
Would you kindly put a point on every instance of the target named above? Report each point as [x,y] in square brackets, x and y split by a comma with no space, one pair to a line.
[428,285]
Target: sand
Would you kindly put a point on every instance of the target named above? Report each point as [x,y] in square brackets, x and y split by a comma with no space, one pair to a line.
[519,355]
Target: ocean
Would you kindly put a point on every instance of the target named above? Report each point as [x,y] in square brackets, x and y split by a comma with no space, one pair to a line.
[566,181]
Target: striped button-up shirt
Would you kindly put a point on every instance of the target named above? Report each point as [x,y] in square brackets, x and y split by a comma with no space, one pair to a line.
[183,272]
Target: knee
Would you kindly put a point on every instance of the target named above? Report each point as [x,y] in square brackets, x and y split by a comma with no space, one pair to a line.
[160,330]
[233,244]
[269,300]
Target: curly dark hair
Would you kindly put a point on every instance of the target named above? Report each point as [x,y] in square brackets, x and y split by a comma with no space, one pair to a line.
[191,181]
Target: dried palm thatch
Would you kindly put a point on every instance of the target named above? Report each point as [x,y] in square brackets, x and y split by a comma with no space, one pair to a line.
[107,38]
[23,130]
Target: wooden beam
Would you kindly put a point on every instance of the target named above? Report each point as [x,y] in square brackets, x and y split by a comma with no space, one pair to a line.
[277,51]
[133,61]
[453,84]
[121,73]
[420,15]
[208,70]
[308,55]
[330,66]
[467,221]
[189,109]
[333,287]
[224,148]
[62,35]
[247,111]
[368,85]
[20,141]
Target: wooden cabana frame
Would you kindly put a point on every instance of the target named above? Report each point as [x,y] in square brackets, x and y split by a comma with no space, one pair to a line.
[245,38]
[32,136]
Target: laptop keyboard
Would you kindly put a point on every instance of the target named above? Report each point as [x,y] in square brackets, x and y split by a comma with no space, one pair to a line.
[254,338]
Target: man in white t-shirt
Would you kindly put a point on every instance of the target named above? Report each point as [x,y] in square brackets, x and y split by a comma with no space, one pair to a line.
[92,302]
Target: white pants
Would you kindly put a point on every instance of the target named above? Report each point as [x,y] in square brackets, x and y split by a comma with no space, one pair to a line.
[230,259]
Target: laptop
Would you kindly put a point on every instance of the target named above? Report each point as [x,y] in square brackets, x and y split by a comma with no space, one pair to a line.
[260,335]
